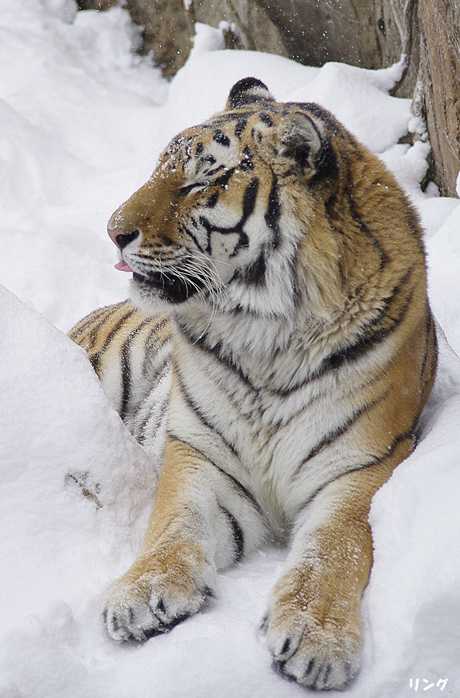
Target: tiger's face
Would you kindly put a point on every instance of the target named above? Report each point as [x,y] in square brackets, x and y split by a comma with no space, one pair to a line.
[224,217]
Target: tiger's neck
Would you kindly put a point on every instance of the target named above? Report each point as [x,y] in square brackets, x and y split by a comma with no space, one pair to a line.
[273,353]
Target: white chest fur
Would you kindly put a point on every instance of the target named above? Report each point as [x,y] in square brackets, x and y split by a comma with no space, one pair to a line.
[277,444]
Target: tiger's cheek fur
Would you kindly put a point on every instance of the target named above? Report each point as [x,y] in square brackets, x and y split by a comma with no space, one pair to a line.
[289,369]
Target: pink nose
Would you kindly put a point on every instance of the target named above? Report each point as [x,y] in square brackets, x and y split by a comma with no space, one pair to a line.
[121,237]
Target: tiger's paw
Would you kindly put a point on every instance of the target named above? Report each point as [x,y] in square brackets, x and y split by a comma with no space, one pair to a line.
[152,603]
[318,653]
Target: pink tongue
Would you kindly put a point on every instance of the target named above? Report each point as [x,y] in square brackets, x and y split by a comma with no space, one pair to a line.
[122,266]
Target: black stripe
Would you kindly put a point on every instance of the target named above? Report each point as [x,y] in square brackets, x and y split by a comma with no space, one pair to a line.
[246,164]
[366,343]
[154,345]
[237,532]
[339,431]
[196,409]
[140,431]
[76,332]
[215,351]
[95,322]
[125,379]
[240,126]
[249,199]
[266,119]
[224,179]
[212,201]
[427,342]
[221,138]
[317,111]
[254,273]
[141,436]
[377,460]
[384,258]
[241,489]
[126,367]
[212,173]
[140,428]
[209,228]
[431,346]
[243,242]
[434,357]
[272,215]
[429,329]
[409,434]
[191,235]
[160,372]
[95,358]
[374,333]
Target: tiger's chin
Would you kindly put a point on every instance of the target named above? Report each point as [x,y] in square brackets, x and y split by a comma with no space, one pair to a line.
[159,291]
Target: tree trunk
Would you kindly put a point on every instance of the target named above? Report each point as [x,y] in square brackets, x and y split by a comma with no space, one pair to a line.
[440,81]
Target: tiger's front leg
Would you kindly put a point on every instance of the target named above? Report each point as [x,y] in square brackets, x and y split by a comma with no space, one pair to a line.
[190,536]
[313,626]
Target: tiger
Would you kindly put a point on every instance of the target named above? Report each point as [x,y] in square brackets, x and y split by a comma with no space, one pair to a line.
[277,348]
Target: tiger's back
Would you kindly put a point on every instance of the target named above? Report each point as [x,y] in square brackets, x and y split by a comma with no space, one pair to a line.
[287,268]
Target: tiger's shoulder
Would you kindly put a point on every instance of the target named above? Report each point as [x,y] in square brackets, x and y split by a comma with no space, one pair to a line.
[117,326]
[131,354]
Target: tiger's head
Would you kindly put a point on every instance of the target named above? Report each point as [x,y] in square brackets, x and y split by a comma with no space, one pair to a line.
[254,210]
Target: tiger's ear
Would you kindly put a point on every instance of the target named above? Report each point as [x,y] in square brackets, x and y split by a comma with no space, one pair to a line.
[248,91]
[304,140]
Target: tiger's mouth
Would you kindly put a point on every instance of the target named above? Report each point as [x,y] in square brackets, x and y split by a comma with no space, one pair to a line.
[176,289]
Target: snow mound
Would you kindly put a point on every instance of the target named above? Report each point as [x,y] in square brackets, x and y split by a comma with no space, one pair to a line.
[75,487]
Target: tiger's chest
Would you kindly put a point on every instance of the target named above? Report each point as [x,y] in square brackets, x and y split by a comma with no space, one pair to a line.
[277,444]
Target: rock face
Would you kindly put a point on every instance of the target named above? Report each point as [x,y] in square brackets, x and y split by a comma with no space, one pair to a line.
[365,33]
[167,31]
[315,32]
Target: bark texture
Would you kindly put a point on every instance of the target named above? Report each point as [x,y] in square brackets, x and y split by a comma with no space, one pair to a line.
[440,85]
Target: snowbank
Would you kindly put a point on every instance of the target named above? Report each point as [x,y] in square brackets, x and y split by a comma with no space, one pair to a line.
[82,122]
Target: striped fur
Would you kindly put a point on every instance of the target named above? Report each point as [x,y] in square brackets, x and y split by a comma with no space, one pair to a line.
[131,353]
[280,274]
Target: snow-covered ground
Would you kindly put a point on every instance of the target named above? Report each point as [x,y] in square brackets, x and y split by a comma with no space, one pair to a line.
[81,124]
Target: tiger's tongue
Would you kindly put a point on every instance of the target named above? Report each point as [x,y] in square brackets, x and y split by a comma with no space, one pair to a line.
[122,266]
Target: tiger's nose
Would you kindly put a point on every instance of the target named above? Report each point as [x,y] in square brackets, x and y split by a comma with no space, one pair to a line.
[121,237]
